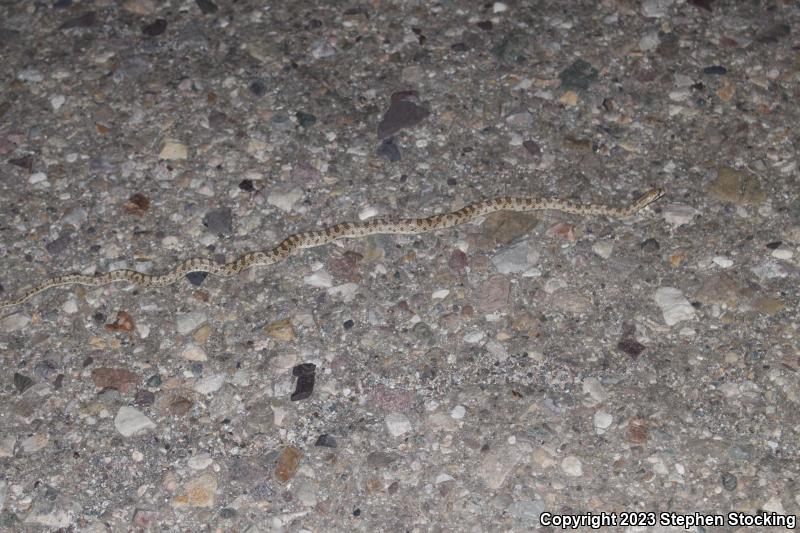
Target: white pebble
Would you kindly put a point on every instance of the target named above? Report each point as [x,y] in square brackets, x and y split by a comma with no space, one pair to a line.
[209,384]
[319,279]
[37,177]
[774,505]
[572,466]
[187,322]
[497,350]
[367,212]
[722,261]
[499,7]
[441,294]
[397,424]
[173,150]
[782,253]
[474,337]
[199,462]
[770,269]
[595,389]
[70,307]
[285,200]
[30,75]
[603,248]
[345,291]
[34,443]
[441,478]
[602,421]
[57,101]
[674,305]
[14,322]
[678,214]
[130,421]
[458,412]
[194,352]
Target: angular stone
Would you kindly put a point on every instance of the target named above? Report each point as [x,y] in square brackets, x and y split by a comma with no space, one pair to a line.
[737,187]
[397,424]
[281,330]
[674,305]
[173,150]
[120,379]
[403,113]
[500,462]
[188,322]
[130,421]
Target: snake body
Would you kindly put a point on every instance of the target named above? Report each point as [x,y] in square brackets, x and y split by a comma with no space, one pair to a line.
[311,239]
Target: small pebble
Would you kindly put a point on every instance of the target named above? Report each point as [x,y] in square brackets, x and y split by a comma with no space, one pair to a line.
[499,7]
[199,462]
[722,261]
[37,177]
[572,466]
[209,384]
[34,443]
[194,352]
[715,70]
[319,279]
[173,151]
[188,322]
[674,305]
[499,463]
[285,200]
[198,492]
[602,421]
[287,464]
[326,440]
[603,248]
[782,253]
[678,214]
[130,422]
[397,424]
[14,322]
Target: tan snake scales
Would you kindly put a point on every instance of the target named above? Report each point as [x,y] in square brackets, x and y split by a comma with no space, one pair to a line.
[310,239]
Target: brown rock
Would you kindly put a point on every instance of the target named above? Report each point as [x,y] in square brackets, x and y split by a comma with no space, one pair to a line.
[179,406]
[724,289]
[493,294]
[202,334]
[374,485]
[114,378]
[199,492]
[637,431]
[281,330]
[457,261]
[137,204]
[525,322]
[726,92]
[123,322]
[768,306]
[288,461]
[737,187]
[506,227]
[563,230]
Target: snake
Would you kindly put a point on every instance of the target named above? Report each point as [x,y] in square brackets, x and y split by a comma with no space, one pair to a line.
[319,237]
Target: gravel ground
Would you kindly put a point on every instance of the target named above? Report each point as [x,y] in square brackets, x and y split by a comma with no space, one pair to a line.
[497,376]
